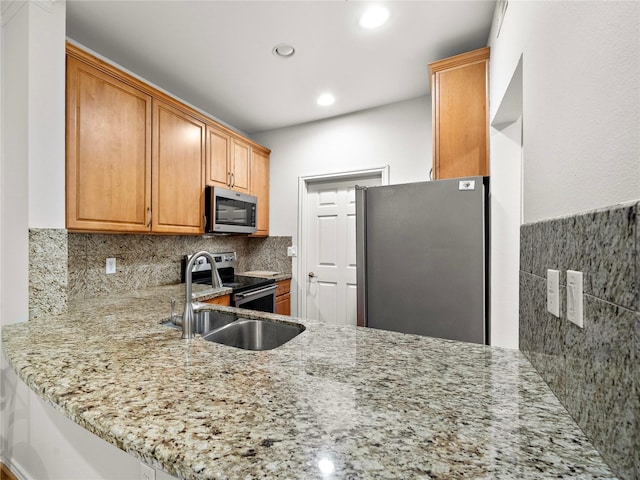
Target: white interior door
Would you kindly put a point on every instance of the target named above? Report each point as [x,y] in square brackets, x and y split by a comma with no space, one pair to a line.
[330,243]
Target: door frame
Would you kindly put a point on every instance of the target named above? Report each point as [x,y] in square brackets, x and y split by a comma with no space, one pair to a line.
[303,190]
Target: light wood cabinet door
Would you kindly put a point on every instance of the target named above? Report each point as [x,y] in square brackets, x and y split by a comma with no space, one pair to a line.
[283,297]
[283,304]
[108,175]
[460,99]
[240,166]
[178,171]
[228,161]
[260,189]
[218,159]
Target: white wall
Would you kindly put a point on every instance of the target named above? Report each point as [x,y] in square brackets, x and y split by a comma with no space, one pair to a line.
[47,79]
[581,64]
[14,216]
[505,234]
[33,148]
[398,135]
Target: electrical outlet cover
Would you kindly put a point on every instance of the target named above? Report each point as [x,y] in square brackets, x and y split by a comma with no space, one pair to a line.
[553,292]
[111,265]
[575,298]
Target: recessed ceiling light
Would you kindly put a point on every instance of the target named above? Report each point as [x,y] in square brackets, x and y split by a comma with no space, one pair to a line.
[326,99]
[283,50]
[374,17]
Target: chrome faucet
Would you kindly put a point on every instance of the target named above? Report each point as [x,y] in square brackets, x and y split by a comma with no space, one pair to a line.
[187,316]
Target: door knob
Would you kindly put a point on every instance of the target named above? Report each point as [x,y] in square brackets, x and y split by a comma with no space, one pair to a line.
[311,274]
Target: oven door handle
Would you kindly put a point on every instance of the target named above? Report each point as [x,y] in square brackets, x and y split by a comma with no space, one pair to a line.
[256,292]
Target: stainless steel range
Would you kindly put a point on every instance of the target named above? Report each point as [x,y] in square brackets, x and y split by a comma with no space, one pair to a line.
[247,292]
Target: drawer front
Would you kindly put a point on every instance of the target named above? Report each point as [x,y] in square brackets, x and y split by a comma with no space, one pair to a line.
[223,300]
[283,286]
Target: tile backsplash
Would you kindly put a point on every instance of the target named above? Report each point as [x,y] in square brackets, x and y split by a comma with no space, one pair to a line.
[593,371]
[70,266]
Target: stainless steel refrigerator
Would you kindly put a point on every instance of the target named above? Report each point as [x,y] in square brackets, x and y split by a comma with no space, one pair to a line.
[422,258]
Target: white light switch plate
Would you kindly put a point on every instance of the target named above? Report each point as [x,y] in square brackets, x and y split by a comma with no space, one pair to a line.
[575,298]
[111,265]
[553,292]
[291,251]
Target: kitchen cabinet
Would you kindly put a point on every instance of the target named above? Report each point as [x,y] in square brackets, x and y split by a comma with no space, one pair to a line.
[223,300]
[227,160]
[240,168]
[108,174]
[283,297]
[6,473]
[177,171]
[260,189]
[218,157]
[460,115]
[138,159]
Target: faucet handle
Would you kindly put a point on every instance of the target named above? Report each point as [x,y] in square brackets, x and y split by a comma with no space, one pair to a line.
[175,318]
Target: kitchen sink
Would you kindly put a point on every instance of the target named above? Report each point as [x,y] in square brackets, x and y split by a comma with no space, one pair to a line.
[251,334]
[205,321]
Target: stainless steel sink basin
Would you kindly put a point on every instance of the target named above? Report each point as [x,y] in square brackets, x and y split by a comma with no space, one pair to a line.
[206,320]
[251,334]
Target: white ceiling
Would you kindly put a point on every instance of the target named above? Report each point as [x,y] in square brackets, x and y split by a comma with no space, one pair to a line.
[217,55]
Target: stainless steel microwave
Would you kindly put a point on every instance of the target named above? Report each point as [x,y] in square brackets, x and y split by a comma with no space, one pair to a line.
[227,211]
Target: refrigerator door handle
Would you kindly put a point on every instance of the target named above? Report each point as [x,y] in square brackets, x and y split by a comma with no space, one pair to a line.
[361,255]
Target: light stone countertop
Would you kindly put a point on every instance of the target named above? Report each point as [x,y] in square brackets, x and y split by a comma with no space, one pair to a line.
[278,277]
[354,402]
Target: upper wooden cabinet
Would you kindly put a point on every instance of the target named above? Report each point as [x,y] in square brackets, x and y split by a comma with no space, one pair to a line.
[108,174]
[178,171]
[460,115]
[218,157]
[138,159]
[260,189]
[241,156]
[228,160]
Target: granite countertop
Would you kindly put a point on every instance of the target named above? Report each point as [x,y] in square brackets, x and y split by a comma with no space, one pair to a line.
[335,402]
[277,276]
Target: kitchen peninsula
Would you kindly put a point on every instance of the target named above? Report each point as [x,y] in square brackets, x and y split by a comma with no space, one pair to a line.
[334,402]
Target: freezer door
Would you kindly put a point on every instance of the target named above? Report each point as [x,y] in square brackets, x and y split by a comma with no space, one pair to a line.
[425,259]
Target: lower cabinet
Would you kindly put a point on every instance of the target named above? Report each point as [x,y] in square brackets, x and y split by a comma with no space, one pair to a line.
[223,300]
[283,297]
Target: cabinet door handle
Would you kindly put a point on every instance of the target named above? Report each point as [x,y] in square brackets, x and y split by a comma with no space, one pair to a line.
[233,180]
[229,179]
[149,216]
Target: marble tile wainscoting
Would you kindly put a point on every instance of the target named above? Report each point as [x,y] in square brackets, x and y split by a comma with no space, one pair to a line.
[594,371]
[66,266]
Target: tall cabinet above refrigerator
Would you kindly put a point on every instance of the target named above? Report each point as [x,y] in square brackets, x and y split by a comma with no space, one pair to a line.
[422,258]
